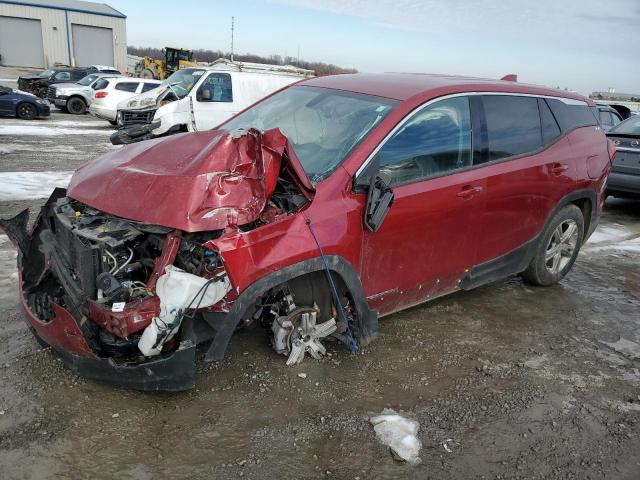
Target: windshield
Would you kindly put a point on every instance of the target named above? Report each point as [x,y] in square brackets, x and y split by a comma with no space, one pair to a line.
[182,81]
[88,80]
[323,125]
[46,73]
[631,126]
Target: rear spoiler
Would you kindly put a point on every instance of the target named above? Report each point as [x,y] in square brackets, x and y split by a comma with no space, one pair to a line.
[512,77]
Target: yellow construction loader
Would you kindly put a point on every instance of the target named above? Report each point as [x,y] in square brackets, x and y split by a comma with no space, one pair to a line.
[174,59]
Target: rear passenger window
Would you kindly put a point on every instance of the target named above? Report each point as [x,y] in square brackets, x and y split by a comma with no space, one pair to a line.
[101,84]
[571,113]
[550,128]
[436,141]
[127,86]
[513,125]
[149,86]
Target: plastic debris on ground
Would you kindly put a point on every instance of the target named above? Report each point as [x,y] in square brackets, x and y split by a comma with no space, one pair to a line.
[399,434]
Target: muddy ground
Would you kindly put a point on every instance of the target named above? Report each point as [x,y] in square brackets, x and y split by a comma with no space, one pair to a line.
[518,382]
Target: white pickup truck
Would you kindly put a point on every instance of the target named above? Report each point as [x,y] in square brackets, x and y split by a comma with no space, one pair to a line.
[200,98]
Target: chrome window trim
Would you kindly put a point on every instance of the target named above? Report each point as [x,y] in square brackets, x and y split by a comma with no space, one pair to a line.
[408,116]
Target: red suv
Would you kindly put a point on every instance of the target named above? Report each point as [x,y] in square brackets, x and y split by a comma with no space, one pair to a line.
[313,212]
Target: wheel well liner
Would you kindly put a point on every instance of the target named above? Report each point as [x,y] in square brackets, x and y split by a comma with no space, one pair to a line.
[225,325]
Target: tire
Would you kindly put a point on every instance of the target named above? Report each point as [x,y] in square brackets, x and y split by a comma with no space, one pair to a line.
[557,249]
[76,106]
[26,111]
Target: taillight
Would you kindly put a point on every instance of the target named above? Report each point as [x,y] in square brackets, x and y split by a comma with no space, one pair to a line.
[101,94]
[611,147]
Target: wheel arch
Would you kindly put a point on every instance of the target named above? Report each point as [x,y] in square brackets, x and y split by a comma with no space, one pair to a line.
[338,265]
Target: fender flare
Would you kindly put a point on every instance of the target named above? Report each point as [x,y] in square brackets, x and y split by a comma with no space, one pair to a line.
[226,324]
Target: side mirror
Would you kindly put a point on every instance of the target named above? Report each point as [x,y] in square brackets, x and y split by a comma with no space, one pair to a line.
[204,95]
[379,200]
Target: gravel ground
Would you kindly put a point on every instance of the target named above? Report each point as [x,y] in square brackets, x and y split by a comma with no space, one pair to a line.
[518,382]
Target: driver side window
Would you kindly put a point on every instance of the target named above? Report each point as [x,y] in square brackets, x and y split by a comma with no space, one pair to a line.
[216,88]
[434,142]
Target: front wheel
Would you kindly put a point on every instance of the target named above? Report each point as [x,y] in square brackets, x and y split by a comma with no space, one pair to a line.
[76,106]
[26,111]
[558,248]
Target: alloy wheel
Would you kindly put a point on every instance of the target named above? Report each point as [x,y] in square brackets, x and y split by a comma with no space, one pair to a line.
[561,247]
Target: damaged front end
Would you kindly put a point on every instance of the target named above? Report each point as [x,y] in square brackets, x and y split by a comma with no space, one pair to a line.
[121,276]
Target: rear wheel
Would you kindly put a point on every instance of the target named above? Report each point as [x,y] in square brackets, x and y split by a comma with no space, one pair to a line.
[76,106]
[26,111]
[558,248]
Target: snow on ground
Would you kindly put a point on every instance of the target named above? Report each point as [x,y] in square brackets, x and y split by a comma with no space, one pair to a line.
[82,124]
[28,185]
[14,80]
[47,131]
[613,238]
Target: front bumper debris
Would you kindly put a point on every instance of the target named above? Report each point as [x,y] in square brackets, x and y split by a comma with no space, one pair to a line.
[133,133]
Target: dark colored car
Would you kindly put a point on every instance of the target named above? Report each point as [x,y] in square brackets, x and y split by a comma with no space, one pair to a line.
[312,213]
[609,117]
[14,103]
[624,179]
[39,84]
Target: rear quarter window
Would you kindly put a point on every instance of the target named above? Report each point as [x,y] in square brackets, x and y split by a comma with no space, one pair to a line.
[149,86]
[513,125]
[127,86]
[571,115]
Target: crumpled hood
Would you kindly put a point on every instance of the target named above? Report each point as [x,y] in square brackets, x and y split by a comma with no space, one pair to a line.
[192,181]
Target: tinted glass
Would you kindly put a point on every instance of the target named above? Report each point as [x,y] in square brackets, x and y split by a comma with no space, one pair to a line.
[149,86]
[127,86]
[571,115]
[101,84]
[550,128]
[605,118]
[435,141]
[631,126]
[513,125]
[323,125]
[616,118]
[216,88]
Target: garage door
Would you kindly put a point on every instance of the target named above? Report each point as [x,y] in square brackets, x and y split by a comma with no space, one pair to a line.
[92,45]
[21,42]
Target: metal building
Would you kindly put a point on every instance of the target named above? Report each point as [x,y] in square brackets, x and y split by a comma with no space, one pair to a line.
[44,33]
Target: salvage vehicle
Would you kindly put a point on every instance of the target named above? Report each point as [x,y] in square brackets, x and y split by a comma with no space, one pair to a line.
[624,179]
[312,213]
[39,84]
[194,99]
[14,103]
[109,92]
[75,97]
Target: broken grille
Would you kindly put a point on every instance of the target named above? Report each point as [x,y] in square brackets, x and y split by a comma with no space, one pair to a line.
[133,117]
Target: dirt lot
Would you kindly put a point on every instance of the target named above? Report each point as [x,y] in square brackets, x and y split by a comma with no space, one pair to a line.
[519,382]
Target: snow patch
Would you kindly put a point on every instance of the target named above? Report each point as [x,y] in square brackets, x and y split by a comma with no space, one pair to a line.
[42,131]
[29,185]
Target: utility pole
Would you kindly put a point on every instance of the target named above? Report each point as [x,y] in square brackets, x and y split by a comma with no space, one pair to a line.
[232,22]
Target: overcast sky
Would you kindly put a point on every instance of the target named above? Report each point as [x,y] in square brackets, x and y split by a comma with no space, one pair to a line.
[584,45]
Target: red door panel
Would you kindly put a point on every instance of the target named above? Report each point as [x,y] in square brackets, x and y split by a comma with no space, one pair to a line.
[426,243]
[520,196]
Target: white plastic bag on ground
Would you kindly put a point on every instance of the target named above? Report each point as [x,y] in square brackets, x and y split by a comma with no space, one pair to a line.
[399,434]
